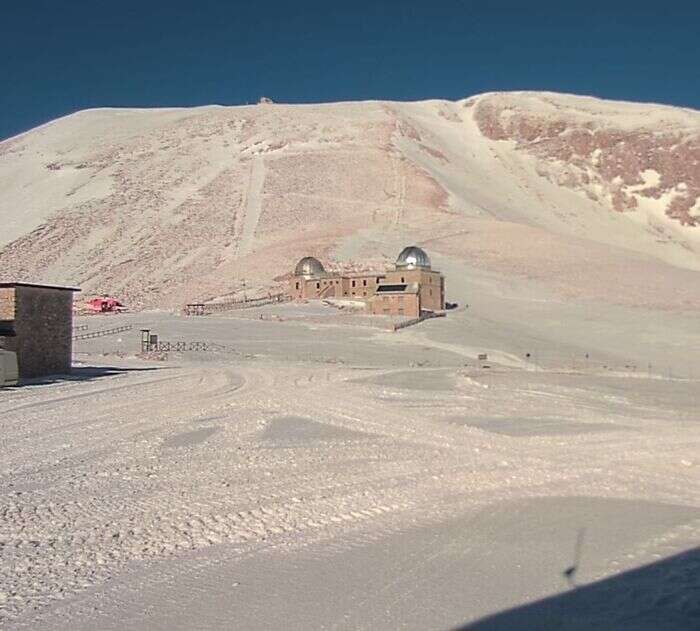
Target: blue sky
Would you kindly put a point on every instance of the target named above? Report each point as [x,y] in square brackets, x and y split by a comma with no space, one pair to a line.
[61,56]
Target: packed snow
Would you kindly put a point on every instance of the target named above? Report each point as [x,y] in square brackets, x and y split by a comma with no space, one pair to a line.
[308,472]
[313,469]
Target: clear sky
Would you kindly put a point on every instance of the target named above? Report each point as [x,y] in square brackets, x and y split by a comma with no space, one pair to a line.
[60,56]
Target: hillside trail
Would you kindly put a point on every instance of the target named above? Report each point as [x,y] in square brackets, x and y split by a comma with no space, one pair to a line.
[252,206]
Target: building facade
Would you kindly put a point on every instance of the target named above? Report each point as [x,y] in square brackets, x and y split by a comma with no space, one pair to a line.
[409,289]
[396,300]
[36,323]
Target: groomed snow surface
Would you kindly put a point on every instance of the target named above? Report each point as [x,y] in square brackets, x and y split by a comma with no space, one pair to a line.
[308,473]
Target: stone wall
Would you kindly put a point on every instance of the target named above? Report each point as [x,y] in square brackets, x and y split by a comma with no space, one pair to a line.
[396,304]
[44,328]
[431,283]
[352,286]
[7,303]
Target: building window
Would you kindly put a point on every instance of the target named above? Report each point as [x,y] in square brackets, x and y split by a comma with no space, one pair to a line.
[378,280]
[403,280]
[318,285]
[297,285]
[364,282]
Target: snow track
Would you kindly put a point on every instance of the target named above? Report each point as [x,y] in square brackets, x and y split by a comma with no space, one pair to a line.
[108,477]
[247,219]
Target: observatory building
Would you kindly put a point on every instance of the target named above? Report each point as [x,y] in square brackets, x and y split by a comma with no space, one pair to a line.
[410,288]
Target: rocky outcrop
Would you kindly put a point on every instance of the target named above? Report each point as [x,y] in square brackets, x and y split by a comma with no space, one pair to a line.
[623,156]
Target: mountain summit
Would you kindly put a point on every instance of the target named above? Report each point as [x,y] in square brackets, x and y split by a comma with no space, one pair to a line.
[164,206]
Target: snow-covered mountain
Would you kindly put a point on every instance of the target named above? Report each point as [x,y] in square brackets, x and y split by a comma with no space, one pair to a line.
[598,199]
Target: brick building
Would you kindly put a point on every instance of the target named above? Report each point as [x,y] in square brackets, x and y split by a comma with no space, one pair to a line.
[36,322]
[409,289]
[396,300]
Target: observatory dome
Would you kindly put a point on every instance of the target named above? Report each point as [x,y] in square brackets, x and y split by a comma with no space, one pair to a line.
[309,266]
[412,257]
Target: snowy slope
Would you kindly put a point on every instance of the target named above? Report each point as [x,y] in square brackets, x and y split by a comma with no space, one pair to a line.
[167,206]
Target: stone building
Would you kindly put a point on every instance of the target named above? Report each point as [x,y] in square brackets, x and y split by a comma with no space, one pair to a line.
[413,269]
[396,300]
[410,288]
[36,323]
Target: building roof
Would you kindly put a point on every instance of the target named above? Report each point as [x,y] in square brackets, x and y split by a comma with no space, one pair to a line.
[309,266]
[6,285]
[370,274]
[398,289]
[412,257]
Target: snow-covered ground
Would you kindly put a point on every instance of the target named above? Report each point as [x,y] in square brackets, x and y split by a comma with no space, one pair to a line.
[313,469]
[308,472]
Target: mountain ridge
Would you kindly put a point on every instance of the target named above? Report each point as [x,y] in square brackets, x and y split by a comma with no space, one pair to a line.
[165,206]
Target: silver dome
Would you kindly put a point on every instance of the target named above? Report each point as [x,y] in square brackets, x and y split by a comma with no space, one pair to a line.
[309,266]
[412,257]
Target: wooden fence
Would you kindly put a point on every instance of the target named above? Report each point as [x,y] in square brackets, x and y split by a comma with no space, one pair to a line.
[195,309]
[429,315]
[92,334]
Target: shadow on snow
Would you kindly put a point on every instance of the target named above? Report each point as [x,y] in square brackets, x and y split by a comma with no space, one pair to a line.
[84,373]
[663,596]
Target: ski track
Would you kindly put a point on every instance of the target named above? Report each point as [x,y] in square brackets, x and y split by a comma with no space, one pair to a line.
[91,486]
[252,207]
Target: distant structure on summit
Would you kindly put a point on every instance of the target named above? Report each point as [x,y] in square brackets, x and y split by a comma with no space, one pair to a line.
[411,288]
